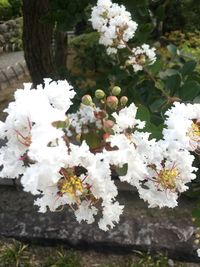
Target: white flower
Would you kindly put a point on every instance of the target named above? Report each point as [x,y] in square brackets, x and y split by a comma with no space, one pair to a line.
[29,124]
[182,126]
[167,175]
[198,252]
[59,93]
[126,119]
[143,55]
[83,118]
[111,214]
[85,212]
[39,176]
[114,24]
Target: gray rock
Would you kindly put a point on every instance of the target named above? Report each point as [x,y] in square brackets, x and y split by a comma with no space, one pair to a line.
[8,36]
[3,28]
[2,40]
[139,227]
[11,24]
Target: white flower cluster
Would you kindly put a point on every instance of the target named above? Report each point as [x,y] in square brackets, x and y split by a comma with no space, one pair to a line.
[116,28]
[143,55]
[80,120]
[39,150]
[29,124]
[155,168]
[114,24]
[183,126]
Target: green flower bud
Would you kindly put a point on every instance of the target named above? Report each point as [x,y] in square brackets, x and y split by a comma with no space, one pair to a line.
[99,94]
[196,241]
[116,90]
[112,102]
[87,100]
[123,100]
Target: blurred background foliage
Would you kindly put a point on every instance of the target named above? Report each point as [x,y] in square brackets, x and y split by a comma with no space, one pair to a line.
[10,9]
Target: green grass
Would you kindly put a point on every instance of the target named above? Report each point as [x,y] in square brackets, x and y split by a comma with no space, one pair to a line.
[16,254]
[63,258]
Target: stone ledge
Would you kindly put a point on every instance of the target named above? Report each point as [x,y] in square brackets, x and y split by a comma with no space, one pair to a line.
[139,228]
[12,73]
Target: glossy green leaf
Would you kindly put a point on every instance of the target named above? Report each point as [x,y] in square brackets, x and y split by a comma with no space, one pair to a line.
[173,83]
[143,113]
[188,67]
[157,104]
[189,90]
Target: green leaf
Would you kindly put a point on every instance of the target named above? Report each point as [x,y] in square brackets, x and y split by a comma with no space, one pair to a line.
[188,67]
[144,32]
[196,212]
[172,49]
[156,131]
[173,83]
[189,90]
[121,171]
[93,140]
[160,13]
[157,104]
[156,67]
[61,124]
[167,73]
[143,113]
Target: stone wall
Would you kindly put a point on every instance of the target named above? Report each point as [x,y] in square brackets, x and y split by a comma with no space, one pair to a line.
[11,35]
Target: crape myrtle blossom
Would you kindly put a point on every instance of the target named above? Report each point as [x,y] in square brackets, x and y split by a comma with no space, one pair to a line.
[167,176]
[48,163]
[183,126]
[93,186]
[155,168]
[125,119]
[142,56]
[80,120]
[116,28]
[114,24]
[63,172]
[31,110]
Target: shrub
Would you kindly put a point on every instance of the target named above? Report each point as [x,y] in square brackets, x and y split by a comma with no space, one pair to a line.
[5,10]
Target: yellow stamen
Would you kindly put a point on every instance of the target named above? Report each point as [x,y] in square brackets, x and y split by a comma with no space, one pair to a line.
[194,132]
[70,185]
[167,178]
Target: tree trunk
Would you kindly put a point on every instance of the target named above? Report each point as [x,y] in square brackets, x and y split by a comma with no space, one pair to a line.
[37,40]
[60,50]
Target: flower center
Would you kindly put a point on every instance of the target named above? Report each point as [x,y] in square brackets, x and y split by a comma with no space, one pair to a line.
[167,178]
[194,132]
[70,185]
